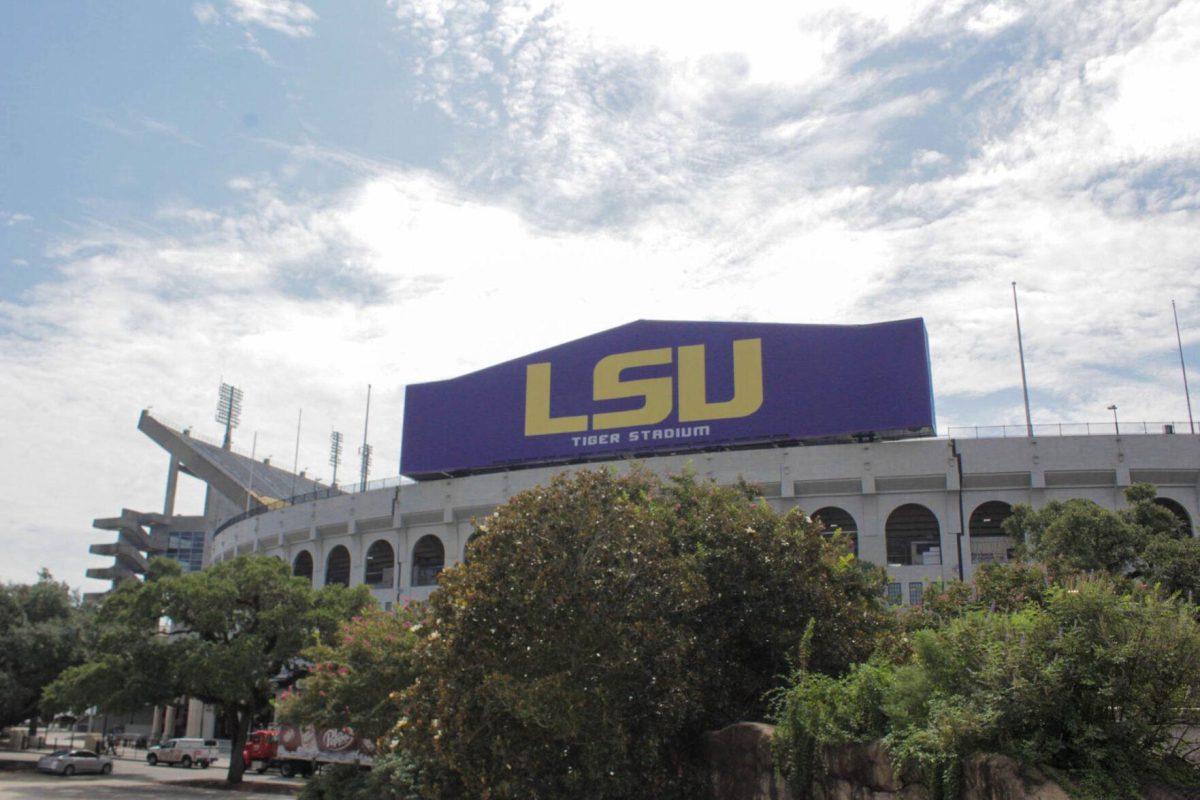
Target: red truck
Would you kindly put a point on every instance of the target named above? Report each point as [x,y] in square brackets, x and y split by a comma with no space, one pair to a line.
[297,750]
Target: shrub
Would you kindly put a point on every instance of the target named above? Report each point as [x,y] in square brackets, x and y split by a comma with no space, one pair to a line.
[1091,682]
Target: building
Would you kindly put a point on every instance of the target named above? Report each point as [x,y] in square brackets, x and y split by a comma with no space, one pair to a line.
[835,420]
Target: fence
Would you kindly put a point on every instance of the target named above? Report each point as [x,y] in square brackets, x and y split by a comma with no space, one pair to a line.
[321,494]
[1066,429]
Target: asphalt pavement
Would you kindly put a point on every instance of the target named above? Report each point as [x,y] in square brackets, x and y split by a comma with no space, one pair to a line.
[132,778]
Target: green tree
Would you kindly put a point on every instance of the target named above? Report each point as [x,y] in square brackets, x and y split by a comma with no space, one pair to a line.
[356,677]
[604,621]
[232,627]
[40,636]
[1078,536]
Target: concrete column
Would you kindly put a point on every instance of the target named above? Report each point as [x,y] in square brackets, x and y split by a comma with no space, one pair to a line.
[172,482]
[156,724]
[169,723]
[195,718]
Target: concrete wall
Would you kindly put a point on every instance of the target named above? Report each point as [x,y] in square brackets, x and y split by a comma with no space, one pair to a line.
[869,481]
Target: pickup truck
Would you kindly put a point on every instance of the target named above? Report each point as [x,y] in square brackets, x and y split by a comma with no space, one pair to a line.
[302,750]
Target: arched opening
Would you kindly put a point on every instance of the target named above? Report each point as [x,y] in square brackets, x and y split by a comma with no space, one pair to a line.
[989,542]
[302,565]
[913,536]
[337,566]
[471,540]
[834,518]
[380,569]
[428,559]
[1181,514]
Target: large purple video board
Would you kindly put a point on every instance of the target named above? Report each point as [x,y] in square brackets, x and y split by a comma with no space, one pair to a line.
[652,387]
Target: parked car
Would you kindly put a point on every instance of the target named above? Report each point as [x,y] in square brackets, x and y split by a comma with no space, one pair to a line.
[69,762]
[184,752]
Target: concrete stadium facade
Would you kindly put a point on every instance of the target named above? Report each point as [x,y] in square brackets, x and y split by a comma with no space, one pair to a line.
[906,502]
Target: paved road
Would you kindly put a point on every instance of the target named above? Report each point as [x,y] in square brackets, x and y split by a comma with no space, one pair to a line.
[130,779]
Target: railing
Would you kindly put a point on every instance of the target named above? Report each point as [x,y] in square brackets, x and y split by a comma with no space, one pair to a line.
[1066,429]
[321,494]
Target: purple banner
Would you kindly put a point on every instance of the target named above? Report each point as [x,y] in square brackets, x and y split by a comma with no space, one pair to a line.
[653,387]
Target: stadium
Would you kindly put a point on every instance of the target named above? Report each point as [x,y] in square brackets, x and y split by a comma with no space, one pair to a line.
[837,420]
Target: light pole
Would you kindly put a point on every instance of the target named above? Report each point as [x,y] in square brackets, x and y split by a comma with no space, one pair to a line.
[1116,425]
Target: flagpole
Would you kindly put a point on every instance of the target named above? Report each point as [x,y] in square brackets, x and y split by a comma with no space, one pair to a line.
[1021,350]
[1183,368]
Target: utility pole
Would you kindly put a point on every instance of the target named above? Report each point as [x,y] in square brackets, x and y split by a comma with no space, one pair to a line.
[1021,350]
[1116,425]
[296,458]
[1183,368]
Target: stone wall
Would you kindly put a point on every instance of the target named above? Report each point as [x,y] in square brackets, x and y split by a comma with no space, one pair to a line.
[742,769]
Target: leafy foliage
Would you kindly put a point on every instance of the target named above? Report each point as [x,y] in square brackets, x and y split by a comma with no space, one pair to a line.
[603,621]
[41,628]
[234,626]
[1090,682]
[394,776]
[355,679]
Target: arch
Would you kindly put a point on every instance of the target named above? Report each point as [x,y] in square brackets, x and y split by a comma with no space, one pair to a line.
[380,569]
[302,565]
[467,547]
[833,517]
[337,566]
[1178,510]
[428,559]
[989,542]
[913,536]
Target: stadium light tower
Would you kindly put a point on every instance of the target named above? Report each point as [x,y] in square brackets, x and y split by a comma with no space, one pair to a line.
[365,450]
[229,411]
[335,453]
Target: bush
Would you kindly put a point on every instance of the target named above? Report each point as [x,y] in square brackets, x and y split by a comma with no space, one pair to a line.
[393,777]
[1091,683]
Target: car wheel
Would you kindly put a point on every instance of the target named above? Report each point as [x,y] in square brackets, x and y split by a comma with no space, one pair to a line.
[69,770]
[287,770]
[186,762]
[152,760]
[106,769]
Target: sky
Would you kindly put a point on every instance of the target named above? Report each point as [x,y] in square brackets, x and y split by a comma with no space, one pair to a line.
[304,198]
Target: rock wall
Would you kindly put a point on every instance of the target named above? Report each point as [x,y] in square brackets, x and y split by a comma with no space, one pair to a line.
[742,768]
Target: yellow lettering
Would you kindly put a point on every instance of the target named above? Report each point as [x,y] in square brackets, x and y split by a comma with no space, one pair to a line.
[607,385]
[747,383]
[538,421]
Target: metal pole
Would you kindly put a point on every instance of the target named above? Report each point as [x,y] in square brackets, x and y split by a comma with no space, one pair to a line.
[1116,425]
[296,459]
[253,461]
[1021,350]
[366,454]
[1183,368]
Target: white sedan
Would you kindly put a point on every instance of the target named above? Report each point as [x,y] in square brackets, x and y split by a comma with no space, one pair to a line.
[69,762]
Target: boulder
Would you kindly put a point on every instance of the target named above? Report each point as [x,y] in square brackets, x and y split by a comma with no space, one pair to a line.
[989,776]
[741,764]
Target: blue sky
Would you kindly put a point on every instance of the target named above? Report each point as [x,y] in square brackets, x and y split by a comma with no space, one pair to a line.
[305,197]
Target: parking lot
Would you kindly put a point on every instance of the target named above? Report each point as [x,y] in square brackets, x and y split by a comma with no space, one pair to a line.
[132,778]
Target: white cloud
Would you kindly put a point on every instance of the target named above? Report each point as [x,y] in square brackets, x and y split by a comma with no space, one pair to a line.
[12,218]
[289,17]
[205,13]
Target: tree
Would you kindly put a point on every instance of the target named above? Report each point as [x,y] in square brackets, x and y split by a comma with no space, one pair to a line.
[40,636]
[356,677]
[1078,536]
[232,627]
[603,622]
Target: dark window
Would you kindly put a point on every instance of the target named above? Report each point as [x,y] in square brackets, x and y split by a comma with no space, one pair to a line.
[834,518]
[989,543]
[429,557]
[894,593]
[916,593]
[302,566]
[381,565]
[913,536]
[186,547]
[1179,511]
[337,566]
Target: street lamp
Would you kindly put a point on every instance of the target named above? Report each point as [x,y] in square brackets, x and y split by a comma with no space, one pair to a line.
[1116,425]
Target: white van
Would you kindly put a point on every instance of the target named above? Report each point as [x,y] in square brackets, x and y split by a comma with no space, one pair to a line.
[184,752]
